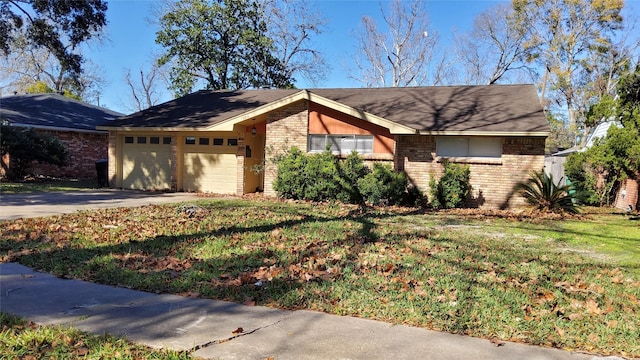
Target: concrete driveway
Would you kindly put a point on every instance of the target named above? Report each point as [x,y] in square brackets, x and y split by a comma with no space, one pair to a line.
[15,206]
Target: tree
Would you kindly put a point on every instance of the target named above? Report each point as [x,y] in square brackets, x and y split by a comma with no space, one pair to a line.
[26,70]
[597,171]
[218,45]
[26,145]
[402,52]
[144,91]
[561,35]
[291,25]
[59,26]
[492,48]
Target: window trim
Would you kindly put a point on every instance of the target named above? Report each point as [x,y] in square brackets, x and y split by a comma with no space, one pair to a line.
[466,156]
[356,138]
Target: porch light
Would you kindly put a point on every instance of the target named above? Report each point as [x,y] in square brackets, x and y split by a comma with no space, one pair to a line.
[254,131]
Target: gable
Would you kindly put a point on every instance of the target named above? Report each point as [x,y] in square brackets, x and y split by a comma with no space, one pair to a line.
[492,110]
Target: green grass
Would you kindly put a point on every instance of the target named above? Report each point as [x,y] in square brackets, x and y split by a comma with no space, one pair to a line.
[47,185]
[572,284]
[20,339]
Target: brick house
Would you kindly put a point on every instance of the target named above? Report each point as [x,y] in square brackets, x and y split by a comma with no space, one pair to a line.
[213,141]
[72,121]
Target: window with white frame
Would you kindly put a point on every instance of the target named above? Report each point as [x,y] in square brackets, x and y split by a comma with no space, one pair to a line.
[341,144]
[468,147]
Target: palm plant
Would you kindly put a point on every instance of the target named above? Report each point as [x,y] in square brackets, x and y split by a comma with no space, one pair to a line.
[545,194]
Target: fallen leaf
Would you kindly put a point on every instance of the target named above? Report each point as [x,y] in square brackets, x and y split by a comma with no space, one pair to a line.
[250,301]
[497,342]
[592,307]
[81,351]
[559,331]
[238,331]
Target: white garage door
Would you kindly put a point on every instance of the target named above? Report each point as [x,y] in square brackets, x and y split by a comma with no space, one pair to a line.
[145,164]
[212,173]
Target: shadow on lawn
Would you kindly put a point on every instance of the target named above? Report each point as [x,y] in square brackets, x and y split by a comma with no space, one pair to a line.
[221,276]
[138,263]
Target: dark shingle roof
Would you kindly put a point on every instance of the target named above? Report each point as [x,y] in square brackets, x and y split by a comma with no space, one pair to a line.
[491,108]
[53,111]
[202,108]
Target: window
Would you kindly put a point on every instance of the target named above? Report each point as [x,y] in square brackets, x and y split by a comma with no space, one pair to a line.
[232,142]
[342,144]
[218,141]
[142,140]
[128,139]
[203,141]
[154,140]
[166,140]
[190,140]
[477,147]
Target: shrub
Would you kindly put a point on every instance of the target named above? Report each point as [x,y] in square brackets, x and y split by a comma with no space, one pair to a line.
[25,146]
[321,177]
[383,186]
[291,180]
[351,170]
[321,174]
[544,193]
[453,187]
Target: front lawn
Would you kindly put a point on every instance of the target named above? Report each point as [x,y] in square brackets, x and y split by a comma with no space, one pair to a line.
[497,276]
[21,339]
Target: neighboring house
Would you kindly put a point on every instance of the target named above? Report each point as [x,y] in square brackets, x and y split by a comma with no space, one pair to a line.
[73,122]
[627,193]
[213,141]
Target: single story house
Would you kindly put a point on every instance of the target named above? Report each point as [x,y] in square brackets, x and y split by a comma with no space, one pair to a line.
[224,141]
[73,122]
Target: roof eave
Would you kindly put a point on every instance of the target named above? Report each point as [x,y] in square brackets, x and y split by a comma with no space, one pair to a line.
[485,133]
[57,128]
[138,128]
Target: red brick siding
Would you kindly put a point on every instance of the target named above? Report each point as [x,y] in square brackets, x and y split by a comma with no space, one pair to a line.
[627,195]
[84,150]
[493,183]
[286,127]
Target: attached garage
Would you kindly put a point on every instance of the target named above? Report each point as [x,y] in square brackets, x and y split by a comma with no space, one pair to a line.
[210,164]
[146,162]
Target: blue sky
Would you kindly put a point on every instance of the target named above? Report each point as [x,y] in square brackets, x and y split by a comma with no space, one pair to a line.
[131,38]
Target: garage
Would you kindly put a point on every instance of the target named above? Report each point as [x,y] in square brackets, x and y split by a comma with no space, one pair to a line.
[210,165]
[146,162]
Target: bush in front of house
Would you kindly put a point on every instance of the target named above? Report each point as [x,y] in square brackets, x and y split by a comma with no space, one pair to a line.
[543,192]
[322,177]
[383,186]
[292,180]
[26,145]
[452,189]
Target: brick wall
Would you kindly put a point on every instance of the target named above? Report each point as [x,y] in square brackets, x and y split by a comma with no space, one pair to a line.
[286,128]
[627,195]
[492,181]
[84,150]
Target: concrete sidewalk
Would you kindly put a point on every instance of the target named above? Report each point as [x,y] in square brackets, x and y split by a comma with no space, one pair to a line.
[15,206]
[206,326]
